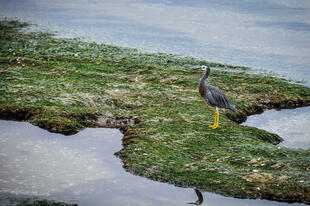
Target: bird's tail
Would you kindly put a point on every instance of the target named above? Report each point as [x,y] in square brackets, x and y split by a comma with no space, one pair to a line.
[232,107]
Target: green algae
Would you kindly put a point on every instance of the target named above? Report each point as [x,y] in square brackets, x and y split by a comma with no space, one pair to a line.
[64,85]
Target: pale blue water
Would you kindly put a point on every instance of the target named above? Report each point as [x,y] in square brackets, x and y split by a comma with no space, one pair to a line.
[291,124]
[82,169]
[270,36]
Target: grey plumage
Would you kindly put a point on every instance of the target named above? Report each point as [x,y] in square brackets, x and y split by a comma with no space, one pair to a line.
[213,95]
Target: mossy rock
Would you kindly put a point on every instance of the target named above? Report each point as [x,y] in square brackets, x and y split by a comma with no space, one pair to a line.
[66,84]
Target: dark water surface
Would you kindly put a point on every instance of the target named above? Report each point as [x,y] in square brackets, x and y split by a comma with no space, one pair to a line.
[82,169]
[270,36]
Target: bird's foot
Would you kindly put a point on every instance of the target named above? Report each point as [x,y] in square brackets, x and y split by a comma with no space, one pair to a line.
[214,126]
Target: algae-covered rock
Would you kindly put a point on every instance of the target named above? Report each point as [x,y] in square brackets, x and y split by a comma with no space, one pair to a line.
[64,85]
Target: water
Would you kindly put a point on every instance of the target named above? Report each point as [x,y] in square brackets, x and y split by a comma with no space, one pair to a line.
[82,169]
[270,36]
[291,124]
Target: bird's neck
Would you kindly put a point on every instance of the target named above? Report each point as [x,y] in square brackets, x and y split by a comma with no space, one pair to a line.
[203,79]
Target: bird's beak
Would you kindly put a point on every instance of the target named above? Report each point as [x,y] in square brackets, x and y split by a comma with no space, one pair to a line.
[196,67]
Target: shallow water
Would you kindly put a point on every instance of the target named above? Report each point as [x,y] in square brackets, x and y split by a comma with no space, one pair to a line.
[291,124]
[266,35]
[82,169]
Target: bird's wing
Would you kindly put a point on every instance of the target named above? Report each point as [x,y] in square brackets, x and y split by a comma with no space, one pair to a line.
[217,98]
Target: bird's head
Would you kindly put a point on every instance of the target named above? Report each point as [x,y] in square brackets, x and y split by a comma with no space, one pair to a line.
[203,67]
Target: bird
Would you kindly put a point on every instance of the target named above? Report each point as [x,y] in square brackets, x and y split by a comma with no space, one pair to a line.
[214,97]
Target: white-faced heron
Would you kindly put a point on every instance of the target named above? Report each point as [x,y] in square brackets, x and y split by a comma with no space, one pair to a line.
[214,97]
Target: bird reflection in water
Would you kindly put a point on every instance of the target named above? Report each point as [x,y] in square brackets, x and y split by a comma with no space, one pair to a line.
[200,198]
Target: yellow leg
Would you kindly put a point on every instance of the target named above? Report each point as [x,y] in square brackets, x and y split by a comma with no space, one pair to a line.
[214,124]
[216,119]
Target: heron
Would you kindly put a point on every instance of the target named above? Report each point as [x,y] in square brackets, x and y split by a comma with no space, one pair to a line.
[214,97]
